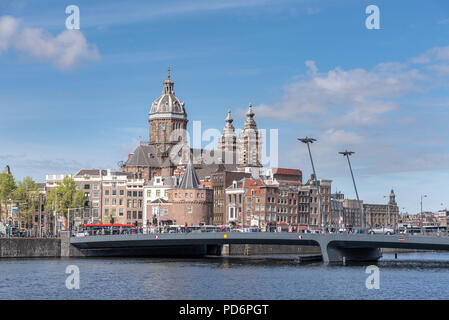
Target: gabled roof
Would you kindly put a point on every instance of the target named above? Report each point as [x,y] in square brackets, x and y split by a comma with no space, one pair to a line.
[190,179]
[91,172]
[143,156]
[159,200]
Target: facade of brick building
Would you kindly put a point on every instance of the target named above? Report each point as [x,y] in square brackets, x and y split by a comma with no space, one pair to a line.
[220,180]
[191,202]
[315,216]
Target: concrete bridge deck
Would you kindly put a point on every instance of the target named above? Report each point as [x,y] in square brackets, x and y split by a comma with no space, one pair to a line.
[334,247]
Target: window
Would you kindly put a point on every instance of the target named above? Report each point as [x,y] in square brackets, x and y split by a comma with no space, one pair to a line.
[134,193]
[113,212]
[139,216]
[95,213]
[128,214]
[189,209]
[158,193]
[95,186]
[129,193]
[120,212]
[122,192]
[134,214]
[114,192]
[87,186]
[106,192]
[140,193]
[149,193]
[106,201]
[106,212]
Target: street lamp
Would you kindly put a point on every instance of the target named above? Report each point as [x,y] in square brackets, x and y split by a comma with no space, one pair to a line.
[308,141]
[347,154]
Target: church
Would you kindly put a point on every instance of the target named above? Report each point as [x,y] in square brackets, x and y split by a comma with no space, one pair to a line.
[163,156]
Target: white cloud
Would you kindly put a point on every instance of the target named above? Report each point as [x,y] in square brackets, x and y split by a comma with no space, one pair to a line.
[437,53]
[8,27]
[66,50]
[342,97]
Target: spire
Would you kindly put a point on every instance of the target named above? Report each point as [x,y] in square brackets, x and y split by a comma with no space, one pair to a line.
[250,112]
[250,123]
[168,84]
[392,197]
[229,119]
[190,179]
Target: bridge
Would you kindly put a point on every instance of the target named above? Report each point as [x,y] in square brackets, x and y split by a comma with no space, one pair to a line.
[334,247]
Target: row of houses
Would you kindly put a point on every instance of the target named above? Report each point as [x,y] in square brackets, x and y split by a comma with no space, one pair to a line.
[275,197]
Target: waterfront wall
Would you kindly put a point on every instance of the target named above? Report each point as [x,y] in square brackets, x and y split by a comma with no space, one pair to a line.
[29,247]
[38,247]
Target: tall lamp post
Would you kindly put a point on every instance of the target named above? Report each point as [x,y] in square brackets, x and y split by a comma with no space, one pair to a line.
[308,141]
[346,154]
[422,218]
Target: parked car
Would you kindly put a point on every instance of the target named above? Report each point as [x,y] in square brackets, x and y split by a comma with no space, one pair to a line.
[381,230]
[80,234]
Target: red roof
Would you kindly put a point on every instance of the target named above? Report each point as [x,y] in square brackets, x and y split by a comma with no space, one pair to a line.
[256,193]
[252,183]
[293,172]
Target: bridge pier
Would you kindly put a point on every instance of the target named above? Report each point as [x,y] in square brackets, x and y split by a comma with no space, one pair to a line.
[333,253]
[213,249]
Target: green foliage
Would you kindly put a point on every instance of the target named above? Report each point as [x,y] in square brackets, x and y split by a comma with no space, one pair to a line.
[64,196]
[7,188]
[27,195]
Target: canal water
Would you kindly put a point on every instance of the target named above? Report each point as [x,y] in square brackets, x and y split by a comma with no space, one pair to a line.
[410,276]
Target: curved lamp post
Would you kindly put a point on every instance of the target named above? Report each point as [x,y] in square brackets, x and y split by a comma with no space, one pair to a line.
[308,141]
[346,154]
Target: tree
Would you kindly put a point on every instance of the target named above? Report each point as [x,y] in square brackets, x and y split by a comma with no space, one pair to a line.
[64,196]
[27,195]
[7,187]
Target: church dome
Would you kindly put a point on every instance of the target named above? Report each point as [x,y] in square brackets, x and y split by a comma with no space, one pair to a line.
[168,105]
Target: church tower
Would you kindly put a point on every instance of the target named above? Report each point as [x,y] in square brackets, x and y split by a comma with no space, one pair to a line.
[228,139]
[249,144]
[392,198]
[167,115]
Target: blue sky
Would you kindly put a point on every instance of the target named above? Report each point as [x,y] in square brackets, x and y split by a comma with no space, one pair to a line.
[310,68]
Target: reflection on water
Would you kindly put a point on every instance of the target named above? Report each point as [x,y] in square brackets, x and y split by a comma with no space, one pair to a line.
[410,276]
